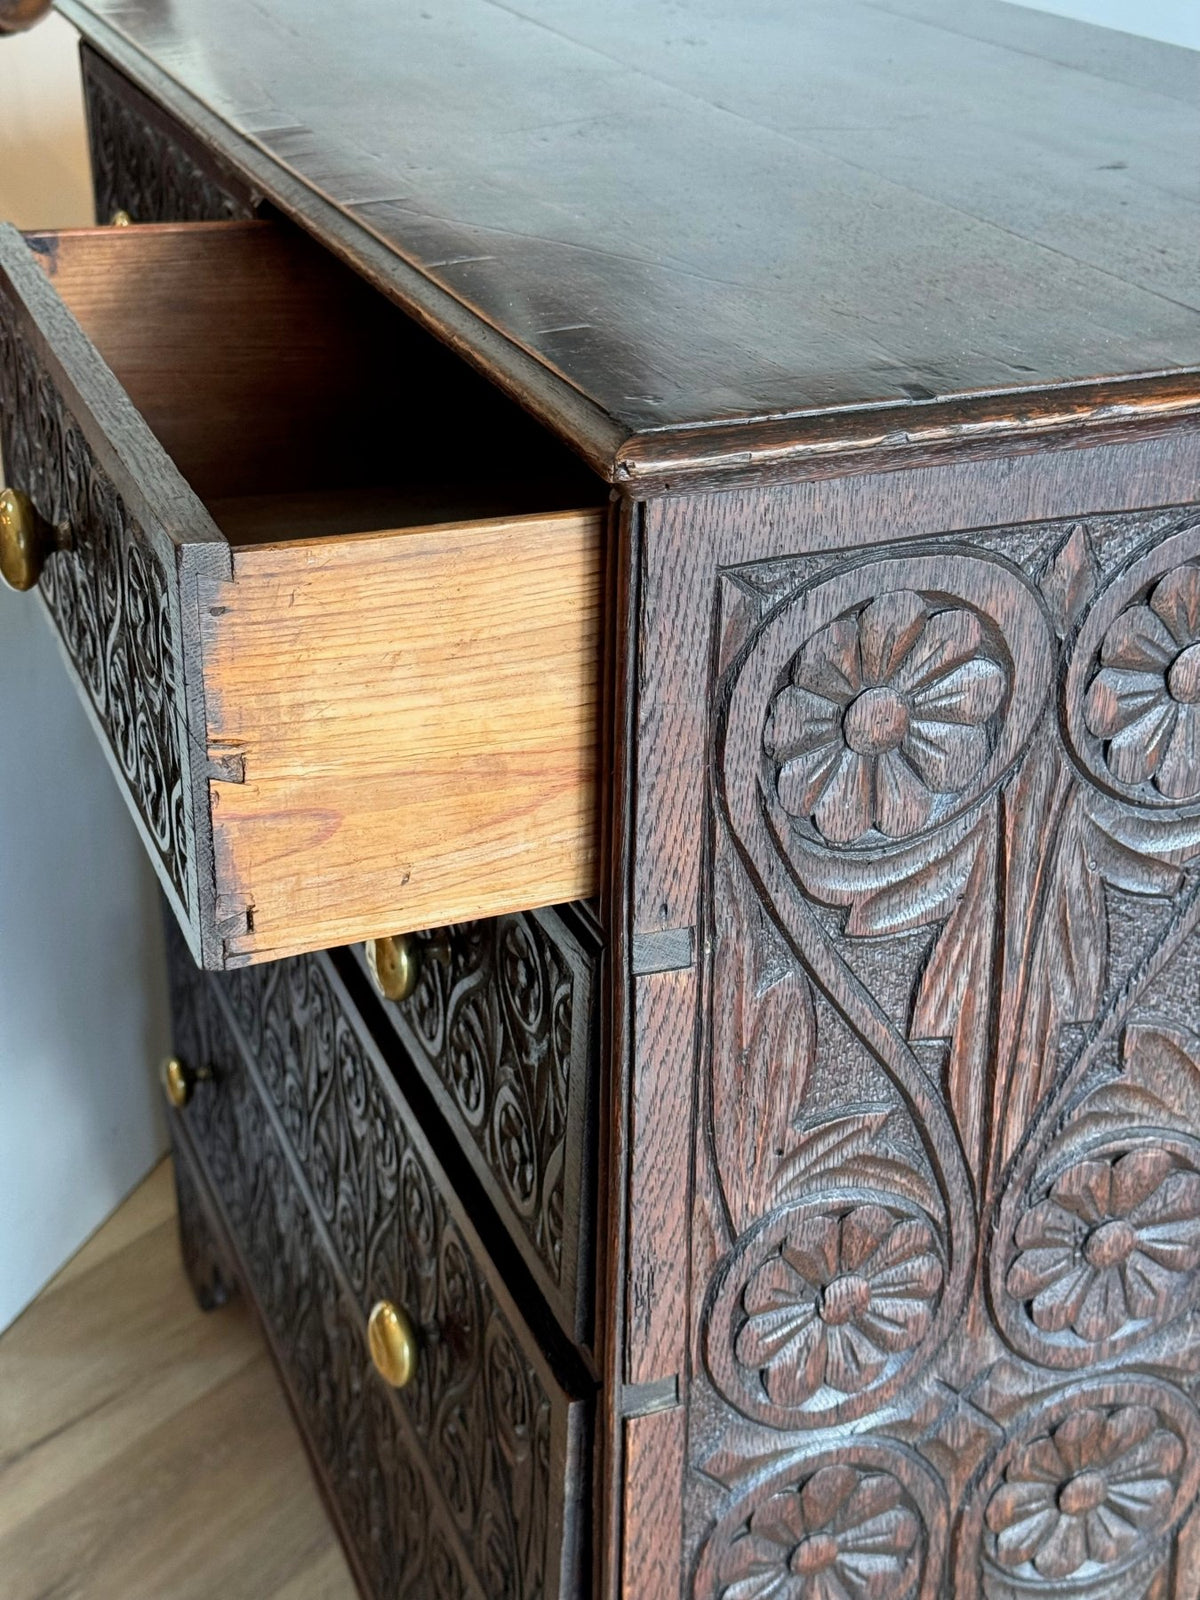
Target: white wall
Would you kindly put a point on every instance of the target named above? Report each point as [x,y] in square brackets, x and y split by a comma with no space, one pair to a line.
[82,1001]
[1174,21]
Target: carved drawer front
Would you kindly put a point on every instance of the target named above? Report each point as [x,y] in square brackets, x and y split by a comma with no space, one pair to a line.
[468,1481]
[501,1025]
[336,630]
[144,164]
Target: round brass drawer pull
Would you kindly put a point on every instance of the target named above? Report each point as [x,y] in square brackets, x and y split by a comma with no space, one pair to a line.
[120,219]
[395,965]
[180,1080]
[392,1342]
[396,962]
[26,539]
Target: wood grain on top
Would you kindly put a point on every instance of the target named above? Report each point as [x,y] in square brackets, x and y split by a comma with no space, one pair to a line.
[702,221]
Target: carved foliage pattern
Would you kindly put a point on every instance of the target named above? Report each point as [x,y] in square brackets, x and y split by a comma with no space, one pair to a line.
[498,1014]
[476,1404]
[109,593]
[138,168]
[954,970]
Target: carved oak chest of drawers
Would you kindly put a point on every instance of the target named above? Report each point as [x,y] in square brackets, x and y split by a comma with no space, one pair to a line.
[640,570]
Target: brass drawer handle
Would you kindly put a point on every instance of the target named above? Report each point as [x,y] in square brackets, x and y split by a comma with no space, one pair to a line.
[396,962]
[180,1080]
[392,1342]
[26,539]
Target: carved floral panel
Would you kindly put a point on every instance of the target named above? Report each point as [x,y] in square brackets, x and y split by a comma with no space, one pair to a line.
[950,1153]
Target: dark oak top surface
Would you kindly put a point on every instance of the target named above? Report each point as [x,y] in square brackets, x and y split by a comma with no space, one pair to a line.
[654,214]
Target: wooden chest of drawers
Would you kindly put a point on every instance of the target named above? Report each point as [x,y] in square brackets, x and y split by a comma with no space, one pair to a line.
[779,1157]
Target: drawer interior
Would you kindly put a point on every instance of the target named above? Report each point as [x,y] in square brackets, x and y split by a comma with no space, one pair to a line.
[297,402]
[385,583]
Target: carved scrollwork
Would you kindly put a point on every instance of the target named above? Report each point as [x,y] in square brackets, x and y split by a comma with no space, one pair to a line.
[109,594]
[963,1018]
[477,1405]
[502,1021]
[139,168]
[858,1522]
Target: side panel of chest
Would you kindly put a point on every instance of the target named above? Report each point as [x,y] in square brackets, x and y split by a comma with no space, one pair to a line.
[925,981]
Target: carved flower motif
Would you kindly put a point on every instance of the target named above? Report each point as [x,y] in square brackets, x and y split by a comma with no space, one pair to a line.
[1111,1244]
[1086,1492]
[884,711]
[845,1534]
[841,1296]
[1145,700]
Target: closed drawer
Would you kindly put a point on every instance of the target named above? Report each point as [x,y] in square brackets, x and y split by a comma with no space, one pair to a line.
[501,1025]
[470,1480]
[331,600]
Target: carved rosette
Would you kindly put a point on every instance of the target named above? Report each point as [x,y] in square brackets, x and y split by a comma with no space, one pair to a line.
[109,594]
[821,1310]
[1084,1496]
[1133,689]
[954,1091]
[857,1522]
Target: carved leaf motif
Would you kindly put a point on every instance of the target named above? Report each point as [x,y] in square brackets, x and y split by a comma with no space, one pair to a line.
[764,1040]
[1056,952]
[1071,578]
[954,998]
[893,893]
[849,1151]
[1159,1086]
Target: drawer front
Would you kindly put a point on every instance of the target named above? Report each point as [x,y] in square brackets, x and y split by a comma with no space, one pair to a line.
[144,163]
[502,1028]
[113,595]
[335,1202]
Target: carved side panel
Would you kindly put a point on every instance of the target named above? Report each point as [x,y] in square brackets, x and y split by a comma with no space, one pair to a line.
[109,594]
[502,1025]
[142,164]
[950,1140]
[478,1417]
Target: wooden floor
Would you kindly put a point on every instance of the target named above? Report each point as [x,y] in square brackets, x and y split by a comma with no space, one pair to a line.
[146,1451]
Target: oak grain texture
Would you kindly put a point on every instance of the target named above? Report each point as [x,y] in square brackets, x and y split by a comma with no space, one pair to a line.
[144,1447]
[414,718]
[788,238]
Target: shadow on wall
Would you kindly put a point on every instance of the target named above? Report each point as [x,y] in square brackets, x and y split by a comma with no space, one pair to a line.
[83,1015]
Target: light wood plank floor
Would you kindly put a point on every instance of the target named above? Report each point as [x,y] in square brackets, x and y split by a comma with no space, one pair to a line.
[146,1451]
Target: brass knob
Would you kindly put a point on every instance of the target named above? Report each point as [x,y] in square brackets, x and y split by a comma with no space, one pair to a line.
[396,962]
[392,1342]
[395,965]
[180,1080]
[26,539]
[120,219]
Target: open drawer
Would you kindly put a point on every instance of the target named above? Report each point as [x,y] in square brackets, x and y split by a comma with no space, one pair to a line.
[332,601]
